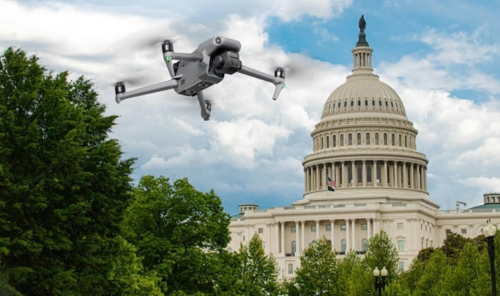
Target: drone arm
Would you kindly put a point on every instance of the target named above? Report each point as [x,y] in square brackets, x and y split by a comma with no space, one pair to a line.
[205,106]
[277,81]
[146,90]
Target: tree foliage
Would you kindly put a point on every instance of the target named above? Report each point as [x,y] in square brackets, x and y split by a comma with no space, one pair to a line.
[175,228]
[317,274]
[383,253]
[63,185]
[256,273]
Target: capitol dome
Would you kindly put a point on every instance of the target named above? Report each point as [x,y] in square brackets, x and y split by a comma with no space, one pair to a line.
[364,141]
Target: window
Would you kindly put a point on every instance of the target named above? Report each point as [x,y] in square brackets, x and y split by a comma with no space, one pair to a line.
[364,244]
[345,104]
[400,225]
[294,247]
[366,102]
[359,103]
[343,245]
[385,139]
[367,138]
[322,142]
[376,138]
[290,268]
[294,229]
[401,266]
[313,228]
[328,227]
[401,245]
[349,174]
[448,231]
[330,242]
[350,139]
[386,104]
[400,142]
[359,138]
[352,103]
[314,243]
[379,102]
[327,141]
[373,102]
[360,173]
[261,230]
[335,141]
[342,227]
[364,227]
[393,140]
[464,231]
[342,140]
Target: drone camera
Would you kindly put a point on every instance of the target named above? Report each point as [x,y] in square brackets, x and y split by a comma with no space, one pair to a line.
[119,88]
[227,62]
[167,46]
[279,72]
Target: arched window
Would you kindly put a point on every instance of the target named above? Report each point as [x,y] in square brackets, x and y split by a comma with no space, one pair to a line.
[367,138]
[343,245]
[392,105]
[385,139]
[327,141]
[352,103]
[393,140]
[376,138]
[345,104]
[359,138]
[294,247]
[406,141]
[339,104]
[359,103]
[373,102]
[380,103]
[400,142]
[322,142]
[334,140]
[386,104]
[364,244]
[366,102]
[350,139]
[342,140]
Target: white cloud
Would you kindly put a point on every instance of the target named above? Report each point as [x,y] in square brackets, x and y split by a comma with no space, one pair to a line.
[486,184]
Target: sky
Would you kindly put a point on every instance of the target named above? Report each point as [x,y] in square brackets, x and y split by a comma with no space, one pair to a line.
[440,56]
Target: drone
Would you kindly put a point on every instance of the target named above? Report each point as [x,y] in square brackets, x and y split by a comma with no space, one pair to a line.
[197,71]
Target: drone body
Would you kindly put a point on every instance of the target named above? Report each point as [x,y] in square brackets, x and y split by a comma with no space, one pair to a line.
[206,66]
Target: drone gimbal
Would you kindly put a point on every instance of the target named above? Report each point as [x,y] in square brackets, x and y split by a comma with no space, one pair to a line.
[206,66]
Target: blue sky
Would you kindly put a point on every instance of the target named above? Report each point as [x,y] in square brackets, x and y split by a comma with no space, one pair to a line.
[440,56]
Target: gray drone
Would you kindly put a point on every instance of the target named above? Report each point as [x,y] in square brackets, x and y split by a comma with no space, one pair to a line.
[206,66]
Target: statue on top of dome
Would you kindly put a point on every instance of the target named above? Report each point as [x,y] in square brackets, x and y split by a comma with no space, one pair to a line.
[362,23]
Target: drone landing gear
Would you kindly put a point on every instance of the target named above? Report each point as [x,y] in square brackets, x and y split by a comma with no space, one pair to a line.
[206,107]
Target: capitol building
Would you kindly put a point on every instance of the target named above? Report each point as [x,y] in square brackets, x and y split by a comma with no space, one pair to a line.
[366,145]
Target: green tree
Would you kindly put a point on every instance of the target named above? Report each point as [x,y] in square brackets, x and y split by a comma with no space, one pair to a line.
[383,253]
[453,246]
[317,274]
[354,275]
[63,185]
[471,275]
[176,230]
[256,273]
[431,280]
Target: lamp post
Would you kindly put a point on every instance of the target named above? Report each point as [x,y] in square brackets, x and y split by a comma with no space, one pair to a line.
[489,231]
[379,285]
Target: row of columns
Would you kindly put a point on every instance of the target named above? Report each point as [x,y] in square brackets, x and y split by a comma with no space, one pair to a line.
[350,237]
[362,58]
[395,174]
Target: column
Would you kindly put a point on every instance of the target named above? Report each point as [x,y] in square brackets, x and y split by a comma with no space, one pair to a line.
[354,234]
[419,183]
[395,174]
[318,176]
[303,245]
[376,226]
[385,173]
[277,236]
[332,233]
[348,244]
[405,177]
[297,237]
[324,181]
[317,230]
[412,177]
[374,173]
[354,174]
[364,173]
[282,238]
[343,175]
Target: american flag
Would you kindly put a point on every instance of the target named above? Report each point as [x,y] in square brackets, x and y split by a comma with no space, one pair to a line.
[331,184]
